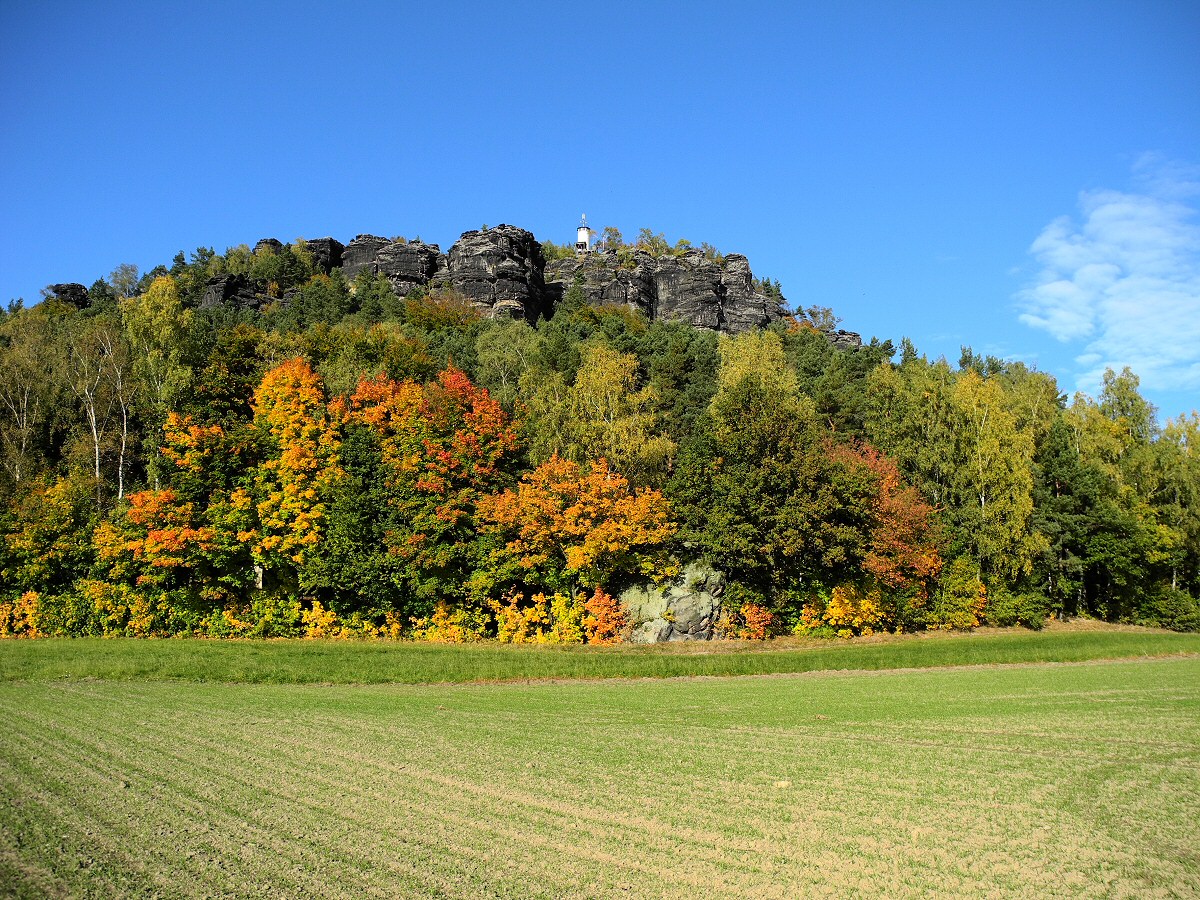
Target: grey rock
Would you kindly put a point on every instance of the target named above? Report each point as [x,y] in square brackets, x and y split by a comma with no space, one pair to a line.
[273,245]
[71,292]
[844,340]
[687,609]
[235,291]
[655,631]
[690,288]
[605,280]
[326,253]
[500,271]
[409,264]
[361,253]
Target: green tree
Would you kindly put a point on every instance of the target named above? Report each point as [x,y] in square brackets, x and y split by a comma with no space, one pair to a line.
[993,479]
[609,417]
[30,360]
[156,327]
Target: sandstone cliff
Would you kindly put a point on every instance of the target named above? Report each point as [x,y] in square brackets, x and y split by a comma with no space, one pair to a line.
[502,271]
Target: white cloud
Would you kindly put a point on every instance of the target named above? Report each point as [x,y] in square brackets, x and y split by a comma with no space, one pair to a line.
[1124,279]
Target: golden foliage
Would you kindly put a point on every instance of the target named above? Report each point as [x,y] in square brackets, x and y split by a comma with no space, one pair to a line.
[19,618]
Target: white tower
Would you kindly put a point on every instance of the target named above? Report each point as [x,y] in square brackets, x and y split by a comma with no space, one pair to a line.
[583,237]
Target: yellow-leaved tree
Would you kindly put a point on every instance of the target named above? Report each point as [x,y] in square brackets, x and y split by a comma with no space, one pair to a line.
[285,502]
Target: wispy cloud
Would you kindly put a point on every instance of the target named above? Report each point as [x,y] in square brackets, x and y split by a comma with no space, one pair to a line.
[1123,279]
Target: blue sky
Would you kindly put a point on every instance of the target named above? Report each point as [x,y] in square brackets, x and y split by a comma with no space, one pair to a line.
[1021,177]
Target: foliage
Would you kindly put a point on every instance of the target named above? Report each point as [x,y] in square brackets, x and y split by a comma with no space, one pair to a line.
[606,618]
[449,626]
[566,525]
[757,622]
[338,460]
[961,597]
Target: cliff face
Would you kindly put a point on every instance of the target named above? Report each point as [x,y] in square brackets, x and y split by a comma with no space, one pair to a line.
[502,271]
[691,288]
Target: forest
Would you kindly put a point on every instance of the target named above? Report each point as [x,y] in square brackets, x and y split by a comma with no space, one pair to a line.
[347,462]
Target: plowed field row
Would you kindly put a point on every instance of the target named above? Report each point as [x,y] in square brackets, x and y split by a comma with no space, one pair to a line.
[1042,781]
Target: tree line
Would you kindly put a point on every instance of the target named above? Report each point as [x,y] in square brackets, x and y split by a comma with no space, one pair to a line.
[346,461]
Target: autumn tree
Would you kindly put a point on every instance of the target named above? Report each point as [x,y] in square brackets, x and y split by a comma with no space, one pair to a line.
[605,414]
[992,483]
[568,525]
[285,503]
[421,458]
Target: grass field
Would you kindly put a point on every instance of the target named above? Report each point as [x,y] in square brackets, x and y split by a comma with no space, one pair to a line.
[1038,780]
[358,662]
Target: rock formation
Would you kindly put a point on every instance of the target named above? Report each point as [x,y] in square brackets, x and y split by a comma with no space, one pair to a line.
[844,340]
[684,610]
[501,270]
[606,280]
[274,245]
[409,264]
[72,293]
[326,253]
[360,254]
[688,288]
[236,291]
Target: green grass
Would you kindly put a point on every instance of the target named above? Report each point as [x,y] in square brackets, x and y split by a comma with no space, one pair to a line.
[334,662]
[1034,781]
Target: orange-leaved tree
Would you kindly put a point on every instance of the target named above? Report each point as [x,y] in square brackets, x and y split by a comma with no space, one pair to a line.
[567,525]
[903,537]
[440,448]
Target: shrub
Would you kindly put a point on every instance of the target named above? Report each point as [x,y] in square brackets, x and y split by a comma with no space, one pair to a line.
[68,614]
[518,622]
[855,609]
[960,598]
[566,614]
[1005,607]
[757,622]
[606,619]
[1174,609]
[320,622]
[19,618]
[275,615]
[447,626]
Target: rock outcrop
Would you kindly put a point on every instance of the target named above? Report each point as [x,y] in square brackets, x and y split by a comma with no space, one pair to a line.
[687,609]
[326,253]
[844,340]
[500,270]
[409,264]
[361,254]
[690,288]
[72,293]
[273,245]
[606,280]
[235,291]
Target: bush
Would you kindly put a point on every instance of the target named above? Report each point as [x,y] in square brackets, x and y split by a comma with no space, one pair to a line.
[1174,609]
[450,626]
[19,618]
[606,619]
[1005,607]
[960,598]
[69,614]
[758,622]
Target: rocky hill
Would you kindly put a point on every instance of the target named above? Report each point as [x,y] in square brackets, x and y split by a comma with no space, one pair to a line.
[503,272]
